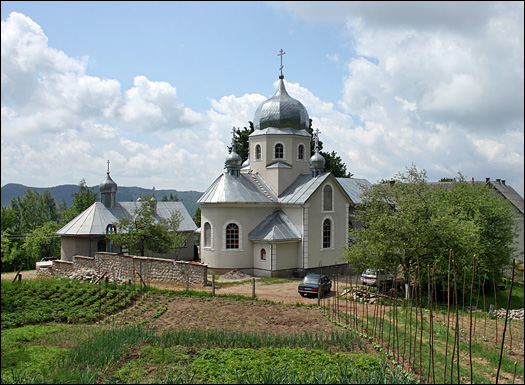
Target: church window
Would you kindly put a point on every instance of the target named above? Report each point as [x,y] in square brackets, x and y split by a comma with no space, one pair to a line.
[327,234]
[258,152]
[279,151]
[263,254]
[207,234]
[300,152]
[232,236]
[328,198]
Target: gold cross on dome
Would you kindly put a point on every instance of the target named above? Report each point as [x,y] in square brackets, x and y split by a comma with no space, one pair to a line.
[281,53]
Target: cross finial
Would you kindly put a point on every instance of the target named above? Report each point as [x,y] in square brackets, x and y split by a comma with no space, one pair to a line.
[108,166]
[316,138]
[233,139]
[281,53]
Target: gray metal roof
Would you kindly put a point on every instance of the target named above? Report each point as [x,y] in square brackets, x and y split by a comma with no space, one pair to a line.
[280,131]
[95,218]
[251,188]
[276,227]
[509,193]
[242,189]
[354,187]
[301,189]
[281,111]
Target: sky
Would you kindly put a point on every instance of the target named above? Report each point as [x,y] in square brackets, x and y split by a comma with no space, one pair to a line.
[156,87]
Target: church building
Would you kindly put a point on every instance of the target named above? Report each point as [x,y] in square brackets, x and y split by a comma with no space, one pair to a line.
[279,213]
[89,232]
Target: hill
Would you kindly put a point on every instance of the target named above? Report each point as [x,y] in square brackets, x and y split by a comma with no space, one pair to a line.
[124,194]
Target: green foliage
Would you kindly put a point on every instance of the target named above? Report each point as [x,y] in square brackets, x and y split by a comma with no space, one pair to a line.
[241,141]
[84,198]
[146,231]
[171,198]
[43,242]
[197,217]
[407,220]
[285,365]
[54,300]
[29,226]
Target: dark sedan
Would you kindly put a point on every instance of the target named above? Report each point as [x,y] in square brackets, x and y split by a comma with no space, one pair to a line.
[315,285]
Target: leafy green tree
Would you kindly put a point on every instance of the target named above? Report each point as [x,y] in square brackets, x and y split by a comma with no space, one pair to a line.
[9,219]
[242,145]
[408,221]
[197,217]
[146,231]
[34,209]
[43,242]
[84,197]
[171,198]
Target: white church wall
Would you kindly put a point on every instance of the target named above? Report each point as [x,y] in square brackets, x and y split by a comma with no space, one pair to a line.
[317,255]
[247,218]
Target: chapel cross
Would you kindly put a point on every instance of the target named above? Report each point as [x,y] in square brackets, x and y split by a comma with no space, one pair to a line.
[108,166]
[281,53]
[316,138]
[233,139]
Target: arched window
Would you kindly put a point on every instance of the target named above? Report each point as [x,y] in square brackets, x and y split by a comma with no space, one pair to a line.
[263,254]
[258,152]
[328,198]
[207,234]
[232,236]
[279,151]
[101,246]
[300,152]
[327,234]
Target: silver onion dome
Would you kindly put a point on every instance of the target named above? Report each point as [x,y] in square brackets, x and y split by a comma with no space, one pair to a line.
[233,161]
[108,185]
[281,111]
[317,162]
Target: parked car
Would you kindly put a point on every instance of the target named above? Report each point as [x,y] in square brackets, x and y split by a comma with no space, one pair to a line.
[315,285]
[48,259]
[370,277]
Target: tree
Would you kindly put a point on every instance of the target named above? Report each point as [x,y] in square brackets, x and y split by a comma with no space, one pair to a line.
[84,198]
[171,198]
[145,231]
[197,217]
[34,209]
[242,145]
[407,221]
[43,242]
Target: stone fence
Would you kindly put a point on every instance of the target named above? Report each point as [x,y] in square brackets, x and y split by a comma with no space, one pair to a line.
[122,267]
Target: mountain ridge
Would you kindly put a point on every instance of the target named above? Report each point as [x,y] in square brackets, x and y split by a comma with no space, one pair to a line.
[124,194]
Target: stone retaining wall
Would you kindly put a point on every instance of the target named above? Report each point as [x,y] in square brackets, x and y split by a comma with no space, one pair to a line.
[122,267]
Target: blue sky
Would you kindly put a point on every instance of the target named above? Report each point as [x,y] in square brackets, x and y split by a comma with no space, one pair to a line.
[155,87]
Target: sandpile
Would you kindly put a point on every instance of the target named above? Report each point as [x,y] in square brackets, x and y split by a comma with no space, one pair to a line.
[234,275]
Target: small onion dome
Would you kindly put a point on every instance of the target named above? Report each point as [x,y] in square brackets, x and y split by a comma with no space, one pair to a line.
[281,111]
[317,162]
[108,185]
[233,161]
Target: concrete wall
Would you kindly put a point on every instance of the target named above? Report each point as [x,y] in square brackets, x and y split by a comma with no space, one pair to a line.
[122,267]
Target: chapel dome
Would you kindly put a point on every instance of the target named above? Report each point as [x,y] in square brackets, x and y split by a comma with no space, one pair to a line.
[233,160]
[108,185]
[317,161]
[281,111]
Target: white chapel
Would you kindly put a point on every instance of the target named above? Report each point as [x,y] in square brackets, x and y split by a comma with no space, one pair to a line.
[279,213]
